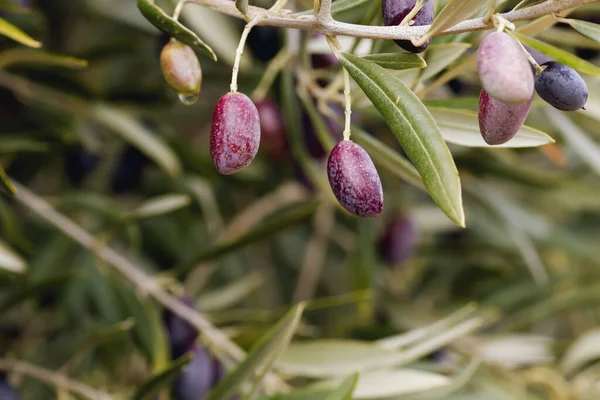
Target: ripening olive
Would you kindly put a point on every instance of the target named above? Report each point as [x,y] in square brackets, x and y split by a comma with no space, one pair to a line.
[394,12]
[500,122]
[181,68]
[561,87]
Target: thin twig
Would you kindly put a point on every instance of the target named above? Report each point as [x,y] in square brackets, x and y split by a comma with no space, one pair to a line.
[286,19]
[54,378]
[135,274]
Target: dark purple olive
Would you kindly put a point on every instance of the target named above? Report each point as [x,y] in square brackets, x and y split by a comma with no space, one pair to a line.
[264,42]
[197,378]
[561,87]
[398,241]
[182,336]
[354,180]
[79,163]
[499,122]
[235,133]
[7,392]
[394,12]
[504,70]
[181,68]
[273,139]
[322,60]
[128,171]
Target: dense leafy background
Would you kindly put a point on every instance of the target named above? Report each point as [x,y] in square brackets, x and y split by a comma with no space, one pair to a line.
[524,274]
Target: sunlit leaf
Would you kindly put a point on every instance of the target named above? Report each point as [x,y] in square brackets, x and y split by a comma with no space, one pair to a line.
[583,351]
[440,56]
[398,61]
[149,389]
[161,205]
[345,390]
[559,55]
[11,261]
[588,29]
[415,129]
[9,30]
[175,29]
[135,133]
[586,148]
[261,357]
[462,127]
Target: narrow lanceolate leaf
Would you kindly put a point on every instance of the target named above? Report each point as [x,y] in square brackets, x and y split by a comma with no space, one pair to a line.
[39,58]
[415,129]
[462,127]
[135,133]
[161,205]
[9,30]
[559,55]
[11,261]
[397,61]
[588,29]
[586,148]
[345,390]
[582,352]
[157,17]
[440,56]
[261,358]
[149,389]
[455,11]
[528,3]
[242,6]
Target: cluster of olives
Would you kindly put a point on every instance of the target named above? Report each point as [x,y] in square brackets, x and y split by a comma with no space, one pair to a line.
[203,371]
[236,129]
[508,87]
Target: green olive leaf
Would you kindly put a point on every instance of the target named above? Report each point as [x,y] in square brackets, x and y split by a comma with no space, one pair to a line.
[415,129]
[397,61]
[559,55]
[261,357]
[22,56]
[9,30]
[149,389]
[455,11]
[440,56]
[157,17]
[588,29]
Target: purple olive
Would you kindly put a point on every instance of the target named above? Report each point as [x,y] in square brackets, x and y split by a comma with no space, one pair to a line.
[394,12]
[182,336]
[235,133]
[398,242]
[197,378]
[561,87]
[181,68]
[500,122]
[7,392]
[504,70]
[272,130]
[354,180]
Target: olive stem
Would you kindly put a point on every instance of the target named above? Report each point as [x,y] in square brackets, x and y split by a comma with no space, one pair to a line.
[238,53]
[179,8]
[287,19]
[409,17]
[335,47]
[538,68]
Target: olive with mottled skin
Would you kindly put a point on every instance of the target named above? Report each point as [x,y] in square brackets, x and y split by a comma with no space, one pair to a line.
[394,12]
[181,68]
[398,241]
[273,139]
[504,70]
[354,180]
[235,133]
[500,122]
[561,87]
